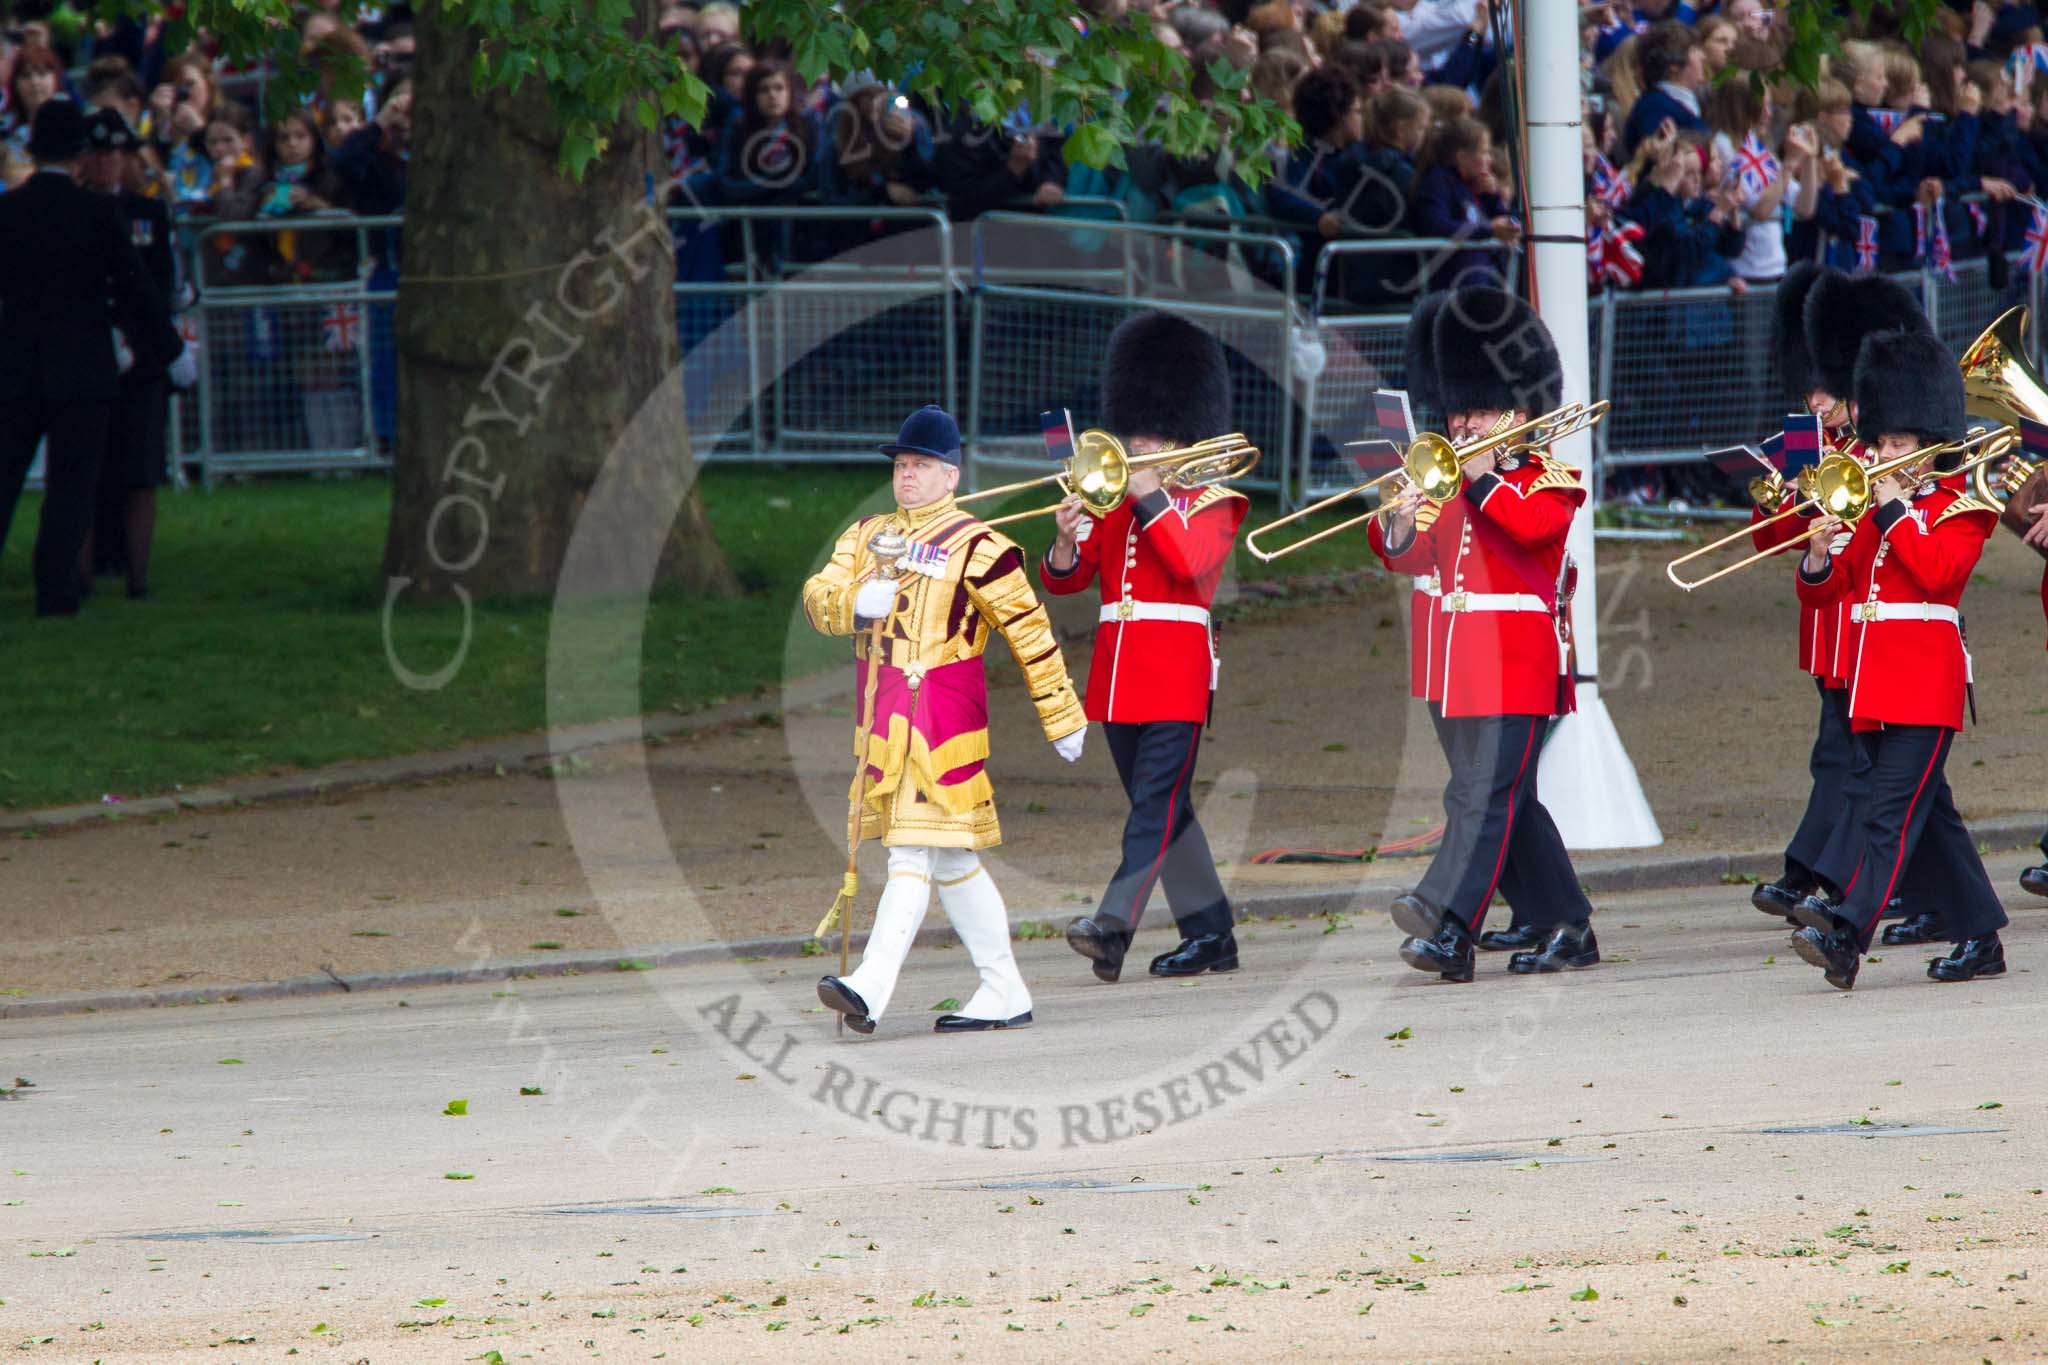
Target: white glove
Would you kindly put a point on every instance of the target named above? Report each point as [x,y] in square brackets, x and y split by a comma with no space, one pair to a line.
[875,600]
[184,371]
[1069,746]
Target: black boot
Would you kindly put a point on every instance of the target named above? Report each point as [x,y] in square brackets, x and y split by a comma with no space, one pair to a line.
[835,994]
[1925,927]
[1570,945]
[1204,953]
[1817,912]
[1778,898]
[1512,938]
[1103,942]
[1448,954]
[2035,880]
[1417,917]
[1836,954]
[1970,960]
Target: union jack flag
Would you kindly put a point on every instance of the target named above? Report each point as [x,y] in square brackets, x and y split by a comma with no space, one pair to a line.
[2037,242]
[1978,219]
[1930,238]
[1611,254]
[1755,167]
[2026,59]
[1610,186]
[1887,120]
[341,327]
[1866,243]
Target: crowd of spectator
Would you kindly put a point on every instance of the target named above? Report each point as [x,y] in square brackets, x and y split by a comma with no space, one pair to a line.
[1703,164]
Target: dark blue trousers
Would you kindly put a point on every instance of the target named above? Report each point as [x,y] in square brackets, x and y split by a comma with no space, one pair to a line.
[1497,835]
[1915,845]
[1827,845]
[1163,841]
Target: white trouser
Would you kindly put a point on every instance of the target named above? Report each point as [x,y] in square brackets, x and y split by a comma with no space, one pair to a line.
[978,916]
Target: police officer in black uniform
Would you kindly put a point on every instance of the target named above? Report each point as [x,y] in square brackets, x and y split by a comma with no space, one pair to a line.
[64,252]
[124,524]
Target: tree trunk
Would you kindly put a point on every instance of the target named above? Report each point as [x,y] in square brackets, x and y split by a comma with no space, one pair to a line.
[536,318]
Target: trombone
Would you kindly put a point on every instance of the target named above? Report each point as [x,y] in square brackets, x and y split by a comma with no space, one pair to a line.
[1433,465]
[1841,487]
[1099,472]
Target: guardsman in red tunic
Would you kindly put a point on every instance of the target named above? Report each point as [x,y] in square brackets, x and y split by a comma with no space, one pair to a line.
[1903,574]
[1499,551]
[1429,625]
[1821,320]
[1157,559]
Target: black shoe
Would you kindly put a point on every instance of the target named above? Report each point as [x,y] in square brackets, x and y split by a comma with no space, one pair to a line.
[835,994]
[1837,955]
[2035,880]
[1512,938]
[1447,954]
[1417,918]
[1970,960]
[1102,942]
[1824,916]
[1925,927]
[1205,953]
[1570,945]
[960,1023]
[1778,898]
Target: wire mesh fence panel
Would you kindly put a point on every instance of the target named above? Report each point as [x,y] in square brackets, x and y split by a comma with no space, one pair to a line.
[854,359]
[719,339]
[1362,353]
[1968,304]
[285,383]
[1040,324]
[1691,371]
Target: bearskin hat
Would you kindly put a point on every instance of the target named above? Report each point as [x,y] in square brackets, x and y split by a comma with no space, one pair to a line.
[1796,370]
[1493,352]
[1841,310]
[1167,378]
[1909,381]
[1418,355]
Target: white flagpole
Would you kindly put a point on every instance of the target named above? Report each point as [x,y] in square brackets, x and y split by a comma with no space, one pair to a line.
[1587,780]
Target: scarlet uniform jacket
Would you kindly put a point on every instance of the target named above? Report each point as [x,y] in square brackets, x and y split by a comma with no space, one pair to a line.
[1489,662]
[1902,577]
[1824,633]
[1167,549]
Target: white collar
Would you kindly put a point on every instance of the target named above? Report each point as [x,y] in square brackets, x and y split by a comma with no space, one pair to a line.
[1684,96]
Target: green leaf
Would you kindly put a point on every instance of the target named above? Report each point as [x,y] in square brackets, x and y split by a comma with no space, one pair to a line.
[948,1004]
[229,1061]
[1400,1035]
[458,1175]
[1586,1295]
[1991,1104]
[634,964]
[530,1090]
[456,1109]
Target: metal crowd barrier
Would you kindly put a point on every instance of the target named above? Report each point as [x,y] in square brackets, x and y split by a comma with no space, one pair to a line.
[821,355]
[1040,319]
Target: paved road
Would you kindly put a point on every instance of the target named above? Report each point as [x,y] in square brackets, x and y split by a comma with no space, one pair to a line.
[1207,1169]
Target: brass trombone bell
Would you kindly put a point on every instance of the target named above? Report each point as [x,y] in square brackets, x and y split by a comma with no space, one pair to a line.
[1434,466]
[1099,472]
[1840,487]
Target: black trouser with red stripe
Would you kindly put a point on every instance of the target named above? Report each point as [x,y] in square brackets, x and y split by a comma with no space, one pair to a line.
[1163,841]
[1496,832]
[1828,843]
[1512,890]
[1915,845]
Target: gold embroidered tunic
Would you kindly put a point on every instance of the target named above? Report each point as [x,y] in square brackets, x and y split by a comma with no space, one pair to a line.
[927,783]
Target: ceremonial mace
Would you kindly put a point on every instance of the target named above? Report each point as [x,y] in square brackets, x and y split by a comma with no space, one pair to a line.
[888,548]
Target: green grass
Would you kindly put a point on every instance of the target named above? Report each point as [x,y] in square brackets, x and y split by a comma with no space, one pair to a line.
[264,650]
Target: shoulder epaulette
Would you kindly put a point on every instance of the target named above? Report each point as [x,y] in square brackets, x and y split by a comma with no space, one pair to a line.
[1965,504]
[1211,495]
[1556,474]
